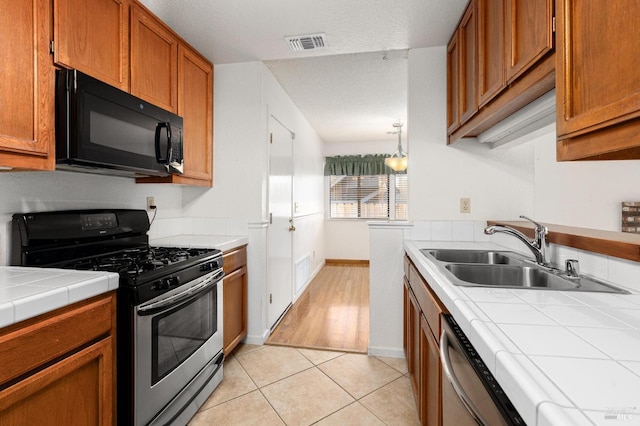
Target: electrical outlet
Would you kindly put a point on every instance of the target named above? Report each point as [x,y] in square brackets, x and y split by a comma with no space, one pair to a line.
[151,203]
[465,205]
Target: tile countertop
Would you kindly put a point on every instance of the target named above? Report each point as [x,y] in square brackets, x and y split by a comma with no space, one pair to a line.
[221,242]
[564,358]
[29,292]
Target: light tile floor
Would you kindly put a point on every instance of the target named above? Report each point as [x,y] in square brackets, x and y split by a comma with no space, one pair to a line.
[275,385]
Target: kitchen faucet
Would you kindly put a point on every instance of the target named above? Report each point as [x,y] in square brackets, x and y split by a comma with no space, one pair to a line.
[538,245]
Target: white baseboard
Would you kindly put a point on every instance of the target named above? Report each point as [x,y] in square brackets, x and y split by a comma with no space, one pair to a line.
[257,339]
[388,352]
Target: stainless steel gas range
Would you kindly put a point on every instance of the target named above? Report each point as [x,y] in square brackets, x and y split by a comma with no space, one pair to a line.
[169,305]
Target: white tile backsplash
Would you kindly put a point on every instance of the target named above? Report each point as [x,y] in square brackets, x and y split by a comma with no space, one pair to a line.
[421,231]
[462,231]
[201,226]
[236,226]
[594,264]
[187,225]
[218,226]
[441,230]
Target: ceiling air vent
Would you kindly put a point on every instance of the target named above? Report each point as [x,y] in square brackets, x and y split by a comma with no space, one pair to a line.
[307,42]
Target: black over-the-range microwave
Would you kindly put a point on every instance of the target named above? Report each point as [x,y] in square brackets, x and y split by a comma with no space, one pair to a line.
[101,129]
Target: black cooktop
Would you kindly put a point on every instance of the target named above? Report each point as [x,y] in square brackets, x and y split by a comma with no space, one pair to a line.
[136,261]
[101,240]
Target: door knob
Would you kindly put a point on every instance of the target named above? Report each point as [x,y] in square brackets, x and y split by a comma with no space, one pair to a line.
[291,227]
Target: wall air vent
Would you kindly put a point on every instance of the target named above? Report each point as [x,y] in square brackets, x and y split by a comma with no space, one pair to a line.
[307,42]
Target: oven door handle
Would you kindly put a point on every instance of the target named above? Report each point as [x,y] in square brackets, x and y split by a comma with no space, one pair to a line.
[180,298]
[457,387]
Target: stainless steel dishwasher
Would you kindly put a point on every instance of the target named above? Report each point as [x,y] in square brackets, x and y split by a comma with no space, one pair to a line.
[470,393]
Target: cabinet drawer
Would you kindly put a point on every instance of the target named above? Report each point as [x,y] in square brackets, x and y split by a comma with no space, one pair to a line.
[428,305]
[53,335]
[233,260]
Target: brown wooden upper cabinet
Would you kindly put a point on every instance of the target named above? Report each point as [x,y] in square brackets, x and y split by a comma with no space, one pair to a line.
[27,88]
[491,49]
[504,51]
[468,63]
[530,34]
[154,60]
[195,100]
[598,80]
[93,37]
[453,74]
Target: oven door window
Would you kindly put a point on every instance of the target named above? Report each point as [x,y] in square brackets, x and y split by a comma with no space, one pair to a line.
[179,332]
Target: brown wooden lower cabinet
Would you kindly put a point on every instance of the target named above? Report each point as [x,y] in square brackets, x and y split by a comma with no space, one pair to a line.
[422,311]
[234,303]
[59,368]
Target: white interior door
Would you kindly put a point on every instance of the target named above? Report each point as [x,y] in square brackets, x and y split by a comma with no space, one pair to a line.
[280,235]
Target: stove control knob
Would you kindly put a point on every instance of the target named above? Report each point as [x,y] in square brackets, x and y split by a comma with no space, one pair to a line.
[206,267]
[163,284]
[175,281]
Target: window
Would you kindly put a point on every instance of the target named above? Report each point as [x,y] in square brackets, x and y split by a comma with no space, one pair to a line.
[368,197]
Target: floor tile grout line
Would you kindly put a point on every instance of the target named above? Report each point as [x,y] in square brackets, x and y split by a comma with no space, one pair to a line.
[316,366]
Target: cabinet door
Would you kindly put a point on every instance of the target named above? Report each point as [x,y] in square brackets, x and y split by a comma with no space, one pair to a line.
[597,77]
[93,37]
[77,390]
[491,50]
[530,34]
[26,86]
[453,84]
[154,56]
[430,378]
[405,322]
[413,357]
[234,309]
[195,104]
[468,64]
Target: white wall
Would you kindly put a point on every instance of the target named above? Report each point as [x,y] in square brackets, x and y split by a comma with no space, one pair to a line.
[23,192]
[582,193]
[246,95]
[349,239]
[499,182]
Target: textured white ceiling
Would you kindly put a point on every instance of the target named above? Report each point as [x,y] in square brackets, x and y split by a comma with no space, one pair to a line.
[347,92]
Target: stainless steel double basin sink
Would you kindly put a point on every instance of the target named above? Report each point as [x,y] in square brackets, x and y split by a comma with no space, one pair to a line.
[505,269]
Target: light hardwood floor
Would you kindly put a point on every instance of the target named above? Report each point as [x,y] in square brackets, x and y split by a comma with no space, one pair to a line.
[332,313]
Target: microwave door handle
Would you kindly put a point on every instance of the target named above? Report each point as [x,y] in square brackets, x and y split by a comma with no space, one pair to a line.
[159,128]
[457,387]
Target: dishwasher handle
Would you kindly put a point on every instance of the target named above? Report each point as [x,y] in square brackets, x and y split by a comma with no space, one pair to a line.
[457,387]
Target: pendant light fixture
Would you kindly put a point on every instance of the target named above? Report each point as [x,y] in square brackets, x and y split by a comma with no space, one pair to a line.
[398,161]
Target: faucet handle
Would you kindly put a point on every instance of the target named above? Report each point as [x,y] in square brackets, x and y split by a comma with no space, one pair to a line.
[539,227]
[572,268]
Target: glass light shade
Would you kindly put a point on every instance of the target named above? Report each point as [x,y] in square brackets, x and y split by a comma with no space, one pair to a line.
[398,162]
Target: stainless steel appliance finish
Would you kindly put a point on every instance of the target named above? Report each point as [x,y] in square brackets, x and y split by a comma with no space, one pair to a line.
[504,269]
[470,394]
[101,129]
[175,335]
[169,310]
